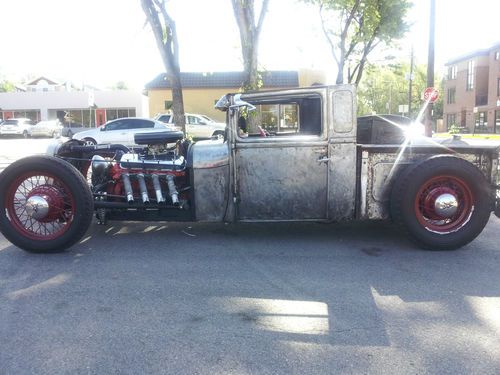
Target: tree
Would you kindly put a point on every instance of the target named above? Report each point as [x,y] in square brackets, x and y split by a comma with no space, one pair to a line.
[164,30]
[244,13]
[385,87]
[120,85]
[354,28]
[7,86]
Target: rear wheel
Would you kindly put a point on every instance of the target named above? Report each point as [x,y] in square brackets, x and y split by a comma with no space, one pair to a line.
[45,204]
[25,134]
[443,203]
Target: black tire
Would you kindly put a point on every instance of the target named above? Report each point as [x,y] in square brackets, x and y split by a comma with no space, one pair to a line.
[69,211]
[217,133]
[89,141]
[414,209]
[25,134]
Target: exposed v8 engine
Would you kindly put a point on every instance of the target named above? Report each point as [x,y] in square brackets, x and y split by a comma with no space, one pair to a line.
[151,180]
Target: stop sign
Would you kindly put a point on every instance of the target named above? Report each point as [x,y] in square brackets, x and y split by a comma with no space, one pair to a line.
[431,94]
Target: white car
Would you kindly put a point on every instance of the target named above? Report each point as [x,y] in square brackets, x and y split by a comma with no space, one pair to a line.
[17,126]
[49,128]
[197,126]
[121,131]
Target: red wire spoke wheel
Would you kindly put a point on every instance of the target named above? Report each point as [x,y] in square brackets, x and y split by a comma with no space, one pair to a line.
[46,204]
[40,206]
[442,203]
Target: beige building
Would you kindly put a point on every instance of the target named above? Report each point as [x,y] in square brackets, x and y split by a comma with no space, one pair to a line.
[202,90]
[472,92]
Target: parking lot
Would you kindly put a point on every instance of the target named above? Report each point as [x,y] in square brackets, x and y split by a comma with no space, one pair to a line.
[12,148]
[288,298]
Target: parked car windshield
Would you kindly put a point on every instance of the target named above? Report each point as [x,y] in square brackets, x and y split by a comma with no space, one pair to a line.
[164,118]
[208,119]
[11,122]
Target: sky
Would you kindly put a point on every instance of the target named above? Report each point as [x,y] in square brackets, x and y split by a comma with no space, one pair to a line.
[101,42]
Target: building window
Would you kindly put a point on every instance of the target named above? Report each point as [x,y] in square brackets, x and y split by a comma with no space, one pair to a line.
[497,121]
[451,120]
[481,120]
[498,87]
[470,75]
[122,113]
[279,117]
[168,104]
[32,115]
[452,72]
[497,55]
[451,95]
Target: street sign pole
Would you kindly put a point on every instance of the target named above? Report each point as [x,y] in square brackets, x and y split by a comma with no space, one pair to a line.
[430,67]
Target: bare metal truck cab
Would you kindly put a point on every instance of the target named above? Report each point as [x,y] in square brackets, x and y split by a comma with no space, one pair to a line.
[286,155]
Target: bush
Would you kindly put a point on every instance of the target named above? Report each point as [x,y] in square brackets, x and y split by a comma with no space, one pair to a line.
[454,129]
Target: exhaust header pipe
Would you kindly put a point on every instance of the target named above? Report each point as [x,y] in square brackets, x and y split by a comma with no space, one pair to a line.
[128,187]
[174,194]
[157,187]
[143,188]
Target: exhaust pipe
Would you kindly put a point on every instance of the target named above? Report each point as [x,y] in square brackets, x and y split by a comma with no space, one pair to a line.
[143,188]
[174,194]
[157,187]
[128,187]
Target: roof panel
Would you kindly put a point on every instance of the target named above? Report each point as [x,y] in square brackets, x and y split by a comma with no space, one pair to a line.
[281,78]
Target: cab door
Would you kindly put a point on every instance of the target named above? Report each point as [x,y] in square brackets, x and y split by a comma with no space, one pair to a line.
[283,176]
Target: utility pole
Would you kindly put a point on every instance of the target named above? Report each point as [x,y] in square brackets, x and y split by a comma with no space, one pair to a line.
[430,67]
[410,78]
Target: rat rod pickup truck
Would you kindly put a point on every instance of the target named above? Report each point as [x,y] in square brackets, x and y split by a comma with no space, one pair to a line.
[314,164]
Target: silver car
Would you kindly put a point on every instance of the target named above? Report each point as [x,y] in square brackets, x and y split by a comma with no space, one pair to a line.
[121,131]
[49,128]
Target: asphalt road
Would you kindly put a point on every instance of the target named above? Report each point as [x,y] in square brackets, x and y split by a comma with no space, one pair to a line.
[12,149]
[290,298]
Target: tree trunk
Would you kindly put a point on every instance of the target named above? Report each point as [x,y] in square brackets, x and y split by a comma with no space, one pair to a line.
[165,34]
[340,73]
[178,103]
[249,37]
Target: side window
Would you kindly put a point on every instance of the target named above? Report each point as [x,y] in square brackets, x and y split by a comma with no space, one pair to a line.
[200,121]
[192,120]
[284,117]
[116,125]
[131,124]
[143,124]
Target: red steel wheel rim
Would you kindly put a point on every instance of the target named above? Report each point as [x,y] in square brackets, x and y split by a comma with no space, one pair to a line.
[61,205]
[425,204]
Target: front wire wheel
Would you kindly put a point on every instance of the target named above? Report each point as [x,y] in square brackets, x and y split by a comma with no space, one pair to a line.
[40,206]
[45,205]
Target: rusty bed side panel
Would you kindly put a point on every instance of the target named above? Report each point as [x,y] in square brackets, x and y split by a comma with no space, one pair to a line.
[378,171]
